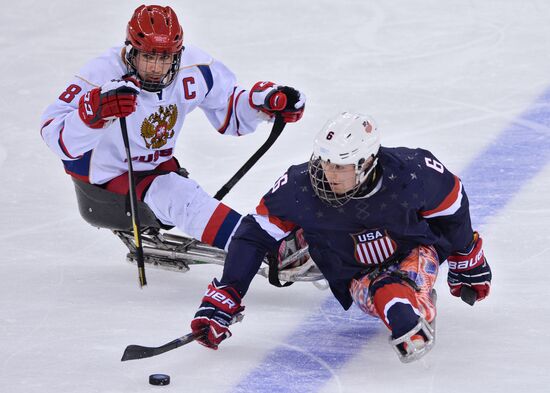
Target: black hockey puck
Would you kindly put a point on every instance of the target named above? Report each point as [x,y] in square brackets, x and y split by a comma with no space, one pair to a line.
[159,379]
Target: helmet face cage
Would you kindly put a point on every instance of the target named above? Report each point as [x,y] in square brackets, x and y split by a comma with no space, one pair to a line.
[153,30]
[321,185]
[148,85]
[346,139]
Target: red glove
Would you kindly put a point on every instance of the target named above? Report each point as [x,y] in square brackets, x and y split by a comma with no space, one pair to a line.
[271,99]
[470,269]
[219,305]
[99,107]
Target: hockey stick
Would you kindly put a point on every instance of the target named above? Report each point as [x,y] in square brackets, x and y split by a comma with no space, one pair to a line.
[134,206]
[140,352]
[278,127]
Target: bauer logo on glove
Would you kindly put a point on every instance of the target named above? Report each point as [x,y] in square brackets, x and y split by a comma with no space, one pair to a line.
[220,298]
[470,269]
[458,264]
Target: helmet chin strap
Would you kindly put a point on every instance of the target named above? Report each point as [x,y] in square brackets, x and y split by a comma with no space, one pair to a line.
[363,175]
[372,182]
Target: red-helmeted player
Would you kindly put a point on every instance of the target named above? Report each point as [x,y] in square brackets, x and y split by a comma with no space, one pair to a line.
[154,81]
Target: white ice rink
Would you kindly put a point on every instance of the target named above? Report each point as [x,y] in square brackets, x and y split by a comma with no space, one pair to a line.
[469,80]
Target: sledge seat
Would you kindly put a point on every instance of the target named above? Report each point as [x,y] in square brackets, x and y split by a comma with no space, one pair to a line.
[105,209]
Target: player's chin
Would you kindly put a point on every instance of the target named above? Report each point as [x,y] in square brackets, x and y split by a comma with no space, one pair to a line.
[154,78]
[339,189]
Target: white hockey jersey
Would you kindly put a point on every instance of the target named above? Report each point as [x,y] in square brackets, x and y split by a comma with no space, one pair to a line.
[98,155]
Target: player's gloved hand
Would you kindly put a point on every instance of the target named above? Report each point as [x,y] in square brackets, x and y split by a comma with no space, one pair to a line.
[271,99]
[99,107]
[290,245]
[470,269]
[219,305]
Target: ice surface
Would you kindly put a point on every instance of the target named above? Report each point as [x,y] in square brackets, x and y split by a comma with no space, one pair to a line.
[467,80]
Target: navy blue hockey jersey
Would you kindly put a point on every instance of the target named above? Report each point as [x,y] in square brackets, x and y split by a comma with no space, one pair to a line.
[417,202]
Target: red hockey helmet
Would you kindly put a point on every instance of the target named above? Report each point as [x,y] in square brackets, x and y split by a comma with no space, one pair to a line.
[154,30]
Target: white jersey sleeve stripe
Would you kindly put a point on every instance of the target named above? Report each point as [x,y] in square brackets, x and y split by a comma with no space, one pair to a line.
[450,205]
[273,230]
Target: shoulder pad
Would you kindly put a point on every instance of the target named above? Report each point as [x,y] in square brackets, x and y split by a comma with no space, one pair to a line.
[103,68]
[193,56]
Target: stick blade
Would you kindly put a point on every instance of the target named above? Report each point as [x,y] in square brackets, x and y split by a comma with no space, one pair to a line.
[137,352]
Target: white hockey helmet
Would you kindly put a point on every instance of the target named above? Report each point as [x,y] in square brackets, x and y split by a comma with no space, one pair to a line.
[348,138]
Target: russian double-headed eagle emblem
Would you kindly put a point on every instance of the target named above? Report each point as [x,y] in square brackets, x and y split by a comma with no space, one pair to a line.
[157,128]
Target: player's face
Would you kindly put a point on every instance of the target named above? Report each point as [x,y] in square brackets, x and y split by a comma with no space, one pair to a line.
[340,177]
[153,67]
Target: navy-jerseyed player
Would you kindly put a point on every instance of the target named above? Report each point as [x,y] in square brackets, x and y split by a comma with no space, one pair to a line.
[379,221]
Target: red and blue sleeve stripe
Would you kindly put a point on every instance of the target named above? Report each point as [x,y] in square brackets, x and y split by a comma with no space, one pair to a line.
[229,113]
[221,225]
[63,147]
[46,124]
[207,75]
[236,113]
[79,168]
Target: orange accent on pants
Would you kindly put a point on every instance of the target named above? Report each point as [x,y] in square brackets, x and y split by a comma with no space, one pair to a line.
[421,266]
